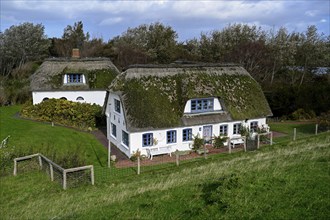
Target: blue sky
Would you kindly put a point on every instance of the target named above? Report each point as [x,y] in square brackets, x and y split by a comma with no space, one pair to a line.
[106,19]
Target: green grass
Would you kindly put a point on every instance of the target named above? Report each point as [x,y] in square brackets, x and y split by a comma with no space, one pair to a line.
[302,130]
[284,181]
[34,137]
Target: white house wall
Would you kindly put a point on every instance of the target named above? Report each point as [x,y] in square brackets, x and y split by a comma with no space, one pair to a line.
[160,135]
[91,97]
[117,119]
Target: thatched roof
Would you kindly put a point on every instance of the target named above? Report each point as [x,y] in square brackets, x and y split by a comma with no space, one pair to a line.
[154,97]
[49,75]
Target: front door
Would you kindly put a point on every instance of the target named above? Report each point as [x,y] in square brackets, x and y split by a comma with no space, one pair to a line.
[207,132]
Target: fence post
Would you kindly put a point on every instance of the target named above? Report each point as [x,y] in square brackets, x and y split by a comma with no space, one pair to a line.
[109,152]
[64,179]
[316,128]
[271,138]
[138,154]
[177,157]
[40,162]
[205,151]
[229,145]
[258,140]
[51,172]
[92,174]
[15,167]
[138,160]
[294,133]
[244,144]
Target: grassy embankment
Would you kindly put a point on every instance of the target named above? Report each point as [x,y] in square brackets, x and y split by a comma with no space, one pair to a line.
[285,181]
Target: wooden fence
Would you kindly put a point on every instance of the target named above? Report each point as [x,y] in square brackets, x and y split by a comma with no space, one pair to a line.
[64,172]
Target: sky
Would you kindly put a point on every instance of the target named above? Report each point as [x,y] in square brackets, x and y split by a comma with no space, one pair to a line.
[107,19]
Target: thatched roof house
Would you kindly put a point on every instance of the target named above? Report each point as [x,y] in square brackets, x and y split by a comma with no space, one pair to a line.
[99,73]
[154,96]
[75,79]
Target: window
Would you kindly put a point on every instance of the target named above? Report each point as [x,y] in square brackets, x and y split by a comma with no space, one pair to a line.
[171,137]
[147,140]
[80,98]
[125,138]
[237,128]
[75,78]
[253,126]
[201,105]
[114,130]
[223,130]
[187,134]
[117,105]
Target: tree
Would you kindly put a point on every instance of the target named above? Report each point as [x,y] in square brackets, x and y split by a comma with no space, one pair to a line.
[312,51]
[22,43]
[73,37]
[154,43]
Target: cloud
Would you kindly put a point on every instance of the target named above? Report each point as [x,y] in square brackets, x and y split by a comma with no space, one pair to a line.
[188,17]
[111,21]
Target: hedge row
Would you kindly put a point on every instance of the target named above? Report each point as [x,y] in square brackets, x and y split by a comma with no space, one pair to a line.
[74,114]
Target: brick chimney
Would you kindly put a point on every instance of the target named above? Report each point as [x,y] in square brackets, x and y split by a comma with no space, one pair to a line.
[75,53]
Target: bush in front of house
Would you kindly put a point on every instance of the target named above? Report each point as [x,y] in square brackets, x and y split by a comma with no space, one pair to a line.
[63,112]
[219,141]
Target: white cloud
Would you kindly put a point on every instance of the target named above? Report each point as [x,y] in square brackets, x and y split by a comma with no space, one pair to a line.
[111,21]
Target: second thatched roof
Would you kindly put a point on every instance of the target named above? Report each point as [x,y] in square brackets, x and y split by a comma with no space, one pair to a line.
[49,76]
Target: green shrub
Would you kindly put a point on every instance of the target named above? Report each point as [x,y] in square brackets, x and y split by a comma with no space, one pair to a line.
[244,131]
[302,114]
[198,142]
[74,114]
[219,141]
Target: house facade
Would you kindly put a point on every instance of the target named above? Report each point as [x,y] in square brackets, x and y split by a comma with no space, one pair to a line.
[75,79]
[167,106]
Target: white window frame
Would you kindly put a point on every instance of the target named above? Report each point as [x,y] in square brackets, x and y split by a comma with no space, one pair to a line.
[237,128]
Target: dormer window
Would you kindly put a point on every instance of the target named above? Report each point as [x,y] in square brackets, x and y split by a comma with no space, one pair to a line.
[202,105]
[74,78]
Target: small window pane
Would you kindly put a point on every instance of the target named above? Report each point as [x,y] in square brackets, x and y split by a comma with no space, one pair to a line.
[237,129]
[187,134]
[254,126]
[202,105]
[114,130]
[171,137]
[125,138]
[147,140]
[117,105]
[223,130]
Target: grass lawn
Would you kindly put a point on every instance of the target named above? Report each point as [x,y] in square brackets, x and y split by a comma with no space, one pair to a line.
[33,137]
[303,129]
[284,181]
[280,182]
